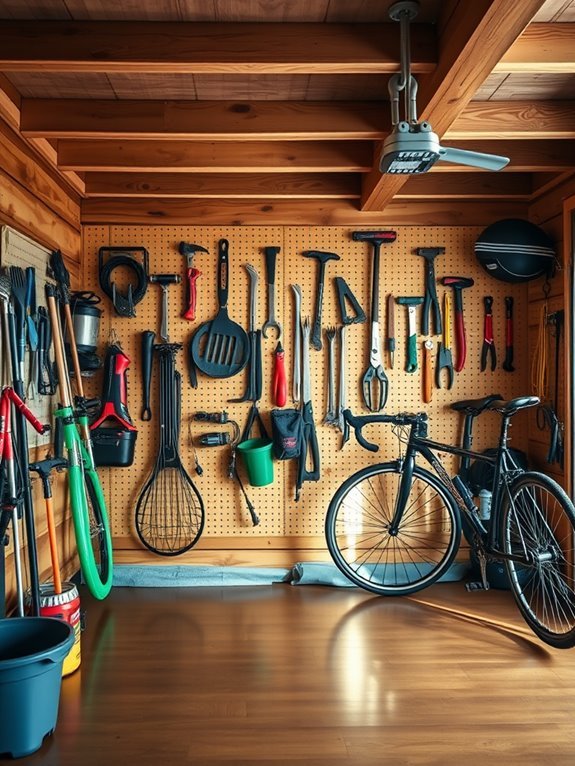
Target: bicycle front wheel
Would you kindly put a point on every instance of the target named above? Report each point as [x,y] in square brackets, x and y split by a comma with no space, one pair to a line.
[538,525]
[357,531]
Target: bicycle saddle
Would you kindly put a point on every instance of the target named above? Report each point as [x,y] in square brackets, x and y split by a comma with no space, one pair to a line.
[513,405]
[475,406]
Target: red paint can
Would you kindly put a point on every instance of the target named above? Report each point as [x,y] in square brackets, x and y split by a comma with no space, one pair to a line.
[64,606]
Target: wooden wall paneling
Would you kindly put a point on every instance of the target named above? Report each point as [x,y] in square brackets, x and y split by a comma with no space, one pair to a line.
[293,531]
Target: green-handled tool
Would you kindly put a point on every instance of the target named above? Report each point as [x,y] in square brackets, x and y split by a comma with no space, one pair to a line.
[412,304]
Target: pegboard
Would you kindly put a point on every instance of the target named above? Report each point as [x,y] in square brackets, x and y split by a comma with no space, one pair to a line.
[402,273]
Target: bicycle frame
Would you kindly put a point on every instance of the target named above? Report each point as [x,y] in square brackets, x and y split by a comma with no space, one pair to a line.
[419,443]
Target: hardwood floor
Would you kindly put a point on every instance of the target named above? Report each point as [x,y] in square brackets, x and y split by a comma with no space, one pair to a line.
[310,675]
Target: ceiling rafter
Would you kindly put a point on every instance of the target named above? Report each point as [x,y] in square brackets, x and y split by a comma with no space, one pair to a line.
[202,120]
[209,48]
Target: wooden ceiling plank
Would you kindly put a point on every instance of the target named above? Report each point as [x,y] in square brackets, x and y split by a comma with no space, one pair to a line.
[541,48]
[209,157]
[321,213]
[515,119]
[471,42]
[222,185]
[200,120]
[482,186]
[175,47]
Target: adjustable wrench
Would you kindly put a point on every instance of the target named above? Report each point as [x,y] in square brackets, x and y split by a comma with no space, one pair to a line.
[271,253]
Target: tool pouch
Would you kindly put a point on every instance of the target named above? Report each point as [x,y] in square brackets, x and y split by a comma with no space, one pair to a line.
[286,433]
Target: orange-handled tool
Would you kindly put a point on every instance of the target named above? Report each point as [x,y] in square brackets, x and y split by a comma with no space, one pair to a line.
[279,381]
[44,468]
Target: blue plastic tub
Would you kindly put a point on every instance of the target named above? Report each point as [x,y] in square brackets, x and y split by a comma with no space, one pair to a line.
[32,650]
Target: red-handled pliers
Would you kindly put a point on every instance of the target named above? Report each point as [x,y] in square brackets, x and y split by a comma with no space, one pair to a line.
[488,342]
[279,381]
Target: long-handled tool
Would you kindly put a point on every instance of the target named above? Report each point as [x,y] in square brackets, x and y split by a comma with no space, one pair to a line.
[322,259]
[375,376]
[411,303]
[309,447]
[508,361]
[169,511]
[390,335]
[9,323]
[44,470]
[165,280]
[342,404]
[253,391]
[444,358]
[188,250]
[148,338]
[427,374]
[32,331]
[430,303]
[46,382]
[458,284]
[331,417]
[271,323]
[296,387]
[220,348]
[488,348]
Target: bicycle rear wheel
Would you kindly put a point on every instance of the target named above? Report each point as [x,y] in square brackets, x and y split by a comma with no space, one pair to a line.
[357,531]
[538,523]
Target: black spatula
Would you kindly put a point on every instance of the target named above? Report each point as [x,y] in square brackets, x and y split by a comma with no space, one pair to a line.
[220,348]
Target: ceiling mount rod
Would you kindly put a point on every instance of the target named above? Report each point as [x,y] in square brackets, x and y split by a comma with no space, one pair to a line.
[404,11]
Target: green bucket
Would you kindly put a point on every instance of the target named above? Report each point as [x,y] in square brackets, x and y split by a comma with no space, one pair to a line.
[257,457]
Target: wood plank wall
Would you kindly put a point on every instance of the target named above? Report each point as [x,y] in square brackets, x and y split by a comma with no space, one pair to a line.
[548,212]
[33,202]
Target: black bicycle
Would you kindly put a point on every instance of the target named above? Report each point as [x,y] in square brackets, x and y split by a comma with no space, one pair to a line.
[395,528]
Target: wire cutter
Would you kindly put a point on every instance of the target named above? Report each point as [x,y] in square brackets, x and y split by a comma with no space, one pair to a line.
[488,347]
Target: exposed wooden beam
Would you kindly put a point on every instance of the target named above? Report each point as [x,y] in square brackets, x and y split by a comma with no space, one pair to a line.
[203,120]
[541,48]
[285,212]
[515,119]
[176,47]
[527,156]
[210,157]
[472,40]
[492,186]
[224,185]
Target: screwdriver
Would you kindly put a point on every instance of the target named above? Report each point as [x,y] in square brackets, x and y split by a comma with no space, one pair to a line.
[390,328]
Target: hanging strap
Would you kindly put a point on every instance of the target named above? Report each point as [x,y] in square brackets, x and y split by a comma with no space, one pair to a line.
[253,417]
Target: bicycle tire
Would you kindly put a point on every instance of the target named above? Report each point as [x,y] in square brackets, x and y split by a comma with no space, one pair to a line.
[91,527]
[538,518]
[356,531]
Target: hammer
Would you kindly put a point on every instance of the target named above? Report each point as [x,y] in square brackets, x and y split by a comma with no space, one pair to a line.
[164,280]
[323,258]
[458,284]
[412,303]
[188,250]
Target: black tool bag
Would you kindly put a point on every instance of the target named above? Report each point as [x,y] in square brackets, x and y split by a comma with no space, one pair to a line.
[286,433]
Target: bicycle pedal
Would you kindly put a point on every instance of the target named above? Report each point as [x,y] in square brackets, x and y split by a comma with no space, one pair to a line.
[476,585]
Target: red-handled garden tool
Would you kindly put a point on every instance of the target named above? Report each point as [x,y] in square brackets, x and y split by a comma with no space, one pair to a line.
[189,250]
[279,381]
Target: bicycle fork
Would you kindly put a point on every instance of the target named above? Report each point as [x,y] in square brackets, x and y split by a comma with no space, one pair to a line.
[407,468]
